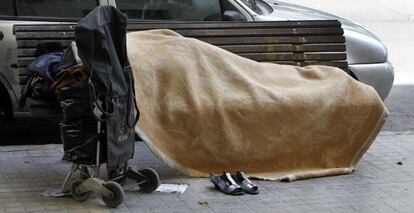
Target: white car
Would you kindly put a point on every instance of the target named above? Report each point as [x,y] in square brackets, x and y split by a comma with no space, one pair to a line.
[366,54]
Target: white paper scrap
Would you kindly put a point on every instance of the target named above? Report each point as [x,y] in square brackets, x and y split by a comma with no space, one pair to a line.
[172,188]
[54,192]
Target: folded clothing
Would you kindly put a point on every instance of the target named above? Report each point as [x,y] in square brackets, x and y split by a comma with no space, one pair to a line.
[71,76]
[48,65]
[52,60]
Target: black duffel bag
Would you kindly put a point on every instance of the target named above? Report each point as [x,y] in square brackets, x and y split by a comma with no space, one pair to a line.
[101,41]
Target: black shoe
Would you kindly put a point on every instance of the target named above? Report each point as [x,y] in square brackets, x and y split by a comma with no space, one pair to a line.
[226,184]
[247,185]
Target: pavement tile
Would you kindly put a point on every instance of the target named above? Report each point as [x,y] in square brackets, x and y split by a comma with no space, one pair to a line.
[377,185]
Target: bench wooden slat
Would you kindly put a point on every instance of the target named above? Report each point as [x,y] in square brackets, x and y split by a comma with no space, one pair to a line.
[284,48]
[323,56]
[288,61]
[294,63]
[42,27]
[336,63]
[27,52]
[260,32]
[207,33]
[285,56]
[294,57]
[274,40]
[269,56]
[137,25]
[321,48]
[232,25]
[219,41]
[45,35]
[340,64]
[24,61]
[259,48]
[34,43]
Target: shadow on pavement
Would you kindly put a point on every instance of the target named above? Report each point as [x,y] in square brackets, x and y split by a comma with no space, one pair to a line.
[29,131]
[400,103]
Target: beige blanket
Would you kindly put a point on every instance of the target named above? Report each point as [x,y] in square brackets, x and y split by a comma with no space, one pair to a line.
[205,110]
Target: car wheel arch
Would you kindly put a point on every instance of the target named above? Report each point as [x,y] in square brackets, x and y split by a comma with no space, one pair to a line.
[6,104]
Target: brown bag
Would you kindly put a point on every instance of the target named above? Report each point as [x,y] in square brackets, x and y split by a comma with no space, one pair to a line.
[71,76]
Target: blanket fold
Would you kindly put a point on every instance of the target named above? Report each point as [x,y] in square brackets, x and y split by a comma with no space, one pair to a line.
[204,110]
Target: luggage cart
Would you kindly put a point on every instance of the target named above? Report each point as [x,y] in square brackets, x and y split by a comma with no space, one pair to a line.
[85,148]
[99,118]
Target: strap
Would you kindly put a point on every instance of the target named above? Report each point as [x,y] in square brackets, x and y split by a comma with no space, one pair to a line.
[92,92]
[245,178]
[229,178]
[132,98]
[27,89]
[93,139]
[132,88]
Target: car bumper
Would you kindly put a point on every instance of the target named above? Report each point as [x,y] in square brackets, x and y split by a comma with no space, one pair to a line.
[378,75]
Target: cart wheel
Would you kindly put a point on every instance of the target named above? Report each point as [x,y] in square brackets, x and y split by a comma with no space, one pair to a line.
[153,180]
[118,192]
[75,195]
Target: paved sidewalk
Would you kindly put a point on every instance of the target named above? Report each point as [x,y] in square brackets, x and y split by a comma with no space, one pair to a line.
[380,184]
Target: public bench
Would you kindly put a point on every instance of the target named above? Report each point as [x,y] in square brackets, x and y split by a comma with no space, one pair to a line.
[298,43]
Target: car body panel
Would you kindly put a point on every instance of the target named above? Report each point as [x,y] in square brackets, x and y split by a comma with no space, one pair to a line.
[243,10]
[366,54]
[8,56]
[375,75]
[9,75]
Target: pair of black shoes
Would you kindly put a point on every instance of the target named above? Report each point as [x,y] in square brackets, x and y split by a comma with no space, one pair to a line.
[236,184]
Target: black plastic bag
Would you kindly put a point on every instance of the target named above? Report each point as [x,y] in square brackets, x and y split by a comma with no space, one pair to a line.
[75,103]
[79,141]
